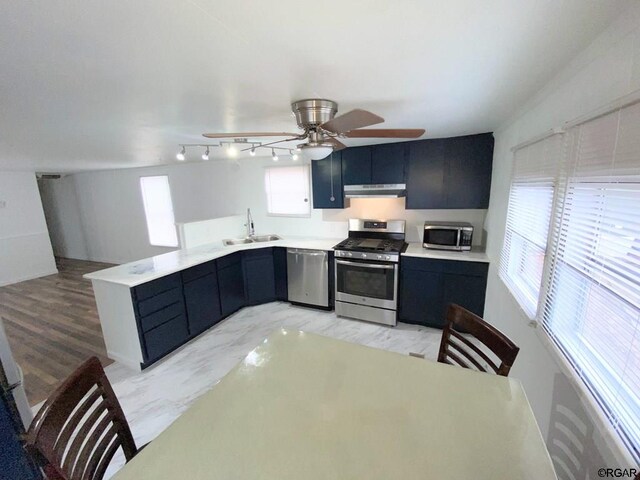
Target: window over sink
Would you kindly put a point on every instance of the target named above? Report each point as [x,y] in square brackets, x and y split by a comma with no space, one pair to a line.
[287,190]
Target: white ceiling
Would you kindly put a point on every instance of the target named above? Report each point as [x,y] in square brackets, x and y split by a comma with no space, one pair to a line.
[89,84]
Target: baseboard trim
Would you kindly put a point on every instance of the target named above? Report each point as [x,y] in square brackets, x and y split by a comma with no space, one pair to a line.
[30,277]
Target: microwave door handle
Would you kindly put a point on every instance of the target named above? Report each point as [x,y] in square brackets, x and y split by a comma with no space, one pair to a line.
[366,265]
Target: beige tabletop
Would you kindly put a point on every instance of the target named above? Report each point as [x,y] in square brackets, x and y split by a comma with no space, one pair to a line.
[303,406]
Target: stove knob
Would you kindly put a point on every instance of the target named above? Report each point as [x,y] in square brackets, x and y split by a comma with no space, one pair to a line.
[349,254]
[380,257]
[363,255]
[387,257]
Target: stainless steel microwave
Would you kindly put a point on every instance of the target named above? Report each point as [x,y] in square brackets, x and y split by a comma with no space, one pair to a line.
[447,235]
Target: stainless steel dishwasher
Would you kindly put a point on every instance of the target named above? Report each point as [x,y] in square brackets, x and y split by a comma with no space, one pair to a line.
[308,276]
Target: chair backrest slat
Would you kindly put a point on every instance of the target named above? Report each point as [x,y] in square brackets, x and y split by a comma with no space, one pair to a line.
[489,336]
[80,427]
[460,348]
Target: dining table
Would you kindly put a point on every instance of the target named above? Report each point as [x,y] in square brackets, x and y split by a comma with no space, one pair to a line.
[305,406]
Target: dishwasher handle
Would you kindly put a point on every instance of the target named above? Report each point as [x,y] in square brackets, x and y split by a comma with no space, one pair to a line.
[302,251]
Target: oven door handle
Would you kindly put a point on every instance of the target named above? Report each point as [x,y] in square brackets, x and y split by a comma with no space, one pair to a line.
[366,265]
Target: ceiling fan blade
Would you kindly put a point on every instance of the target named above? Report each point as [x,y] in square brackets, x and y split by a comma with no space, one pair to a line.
[250,134]
[352,120]
[337,144]
[385,133]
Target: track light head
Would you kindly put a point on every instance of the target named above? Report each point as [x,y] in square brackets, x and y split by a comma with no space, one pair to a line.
[252,152]
[232,151]
[205,155]
[294,155]
[273,155]
[181,155]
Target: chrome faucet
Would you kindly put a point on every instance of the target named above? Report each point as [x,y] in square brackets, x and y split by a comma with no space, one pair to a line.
[250,230]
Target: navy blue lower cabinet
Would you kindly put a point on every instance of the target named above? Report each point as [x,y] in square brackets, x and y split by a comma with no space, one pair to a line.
[161,315]
[428,286]
[326,179]
[259,274]
[231,283]
[421,297]
[280,265]
[202,301]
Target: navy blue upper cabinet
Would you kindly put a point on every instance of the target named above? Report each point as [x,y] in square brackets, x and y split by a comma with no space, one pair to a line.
[326,178]
[388,163]
[450,172]
[356,166]
[231,283]
[425,175]
[468,176]
[259,275]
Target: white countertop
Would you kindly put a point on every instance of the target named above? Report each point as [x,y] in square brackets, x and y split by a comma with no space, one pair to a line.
[305,406]
[141,271]
[476,254]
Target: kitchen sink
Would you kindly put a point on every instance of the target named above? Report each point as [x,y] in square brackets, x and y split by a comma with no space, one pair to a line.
[255,239]
[236,241]
[266,238]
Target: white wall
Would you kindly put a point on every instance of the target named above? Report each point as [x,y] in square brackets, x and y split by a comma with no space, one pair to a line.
[112,213]
[62,211]
[25,248]
[112,217]
[607,69]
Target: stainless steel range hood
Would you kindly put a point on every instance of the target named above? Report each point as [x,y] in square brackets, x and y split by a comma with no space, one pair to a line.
[389,190]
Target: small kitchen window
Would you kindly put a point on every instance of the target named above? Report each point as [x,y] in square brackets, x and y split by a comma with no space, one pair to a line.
[158,210]
[287,190]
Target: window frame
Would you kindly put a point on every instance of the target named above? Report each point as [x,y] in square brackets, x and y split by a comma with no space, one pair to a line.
[146,216]
[307,169]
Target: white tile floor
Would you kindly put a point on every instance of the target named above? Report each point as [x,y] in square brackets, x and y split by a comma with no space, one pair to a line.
[154,398]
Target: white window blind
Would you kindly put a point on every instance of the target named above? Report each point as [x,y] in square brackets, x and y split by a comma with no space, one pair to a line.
[528,217]
[158,210]
[287,190]
[592,298]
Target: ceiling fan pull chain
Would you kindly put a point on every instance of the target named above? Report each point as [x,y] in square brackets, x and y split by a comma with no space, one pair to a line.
[332,198]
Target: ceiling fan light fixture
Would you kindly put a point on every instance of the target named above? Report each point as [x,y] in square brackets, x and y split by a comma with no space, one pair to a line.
[181,154]
[317,151]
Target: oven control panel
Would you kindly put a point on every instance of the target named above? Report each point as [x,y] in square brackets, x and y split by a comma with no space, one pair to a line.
[370,256]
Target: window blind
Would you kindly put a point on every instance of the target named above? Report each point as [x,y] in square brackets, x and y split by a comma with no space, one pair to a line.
[528,216]
[592,290]
[287,190]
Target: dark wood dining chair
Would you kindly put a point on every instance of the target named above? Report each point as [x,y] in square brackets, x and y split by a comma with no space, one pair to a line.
[78,430]
[455,349]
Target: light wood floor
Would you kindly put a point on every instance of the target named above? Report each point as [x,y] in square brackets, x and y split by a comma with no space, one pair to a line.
[52,325]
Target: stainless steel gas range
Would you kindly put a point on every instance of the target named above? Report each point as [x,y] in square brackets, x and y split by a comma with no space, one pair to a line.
[366,270]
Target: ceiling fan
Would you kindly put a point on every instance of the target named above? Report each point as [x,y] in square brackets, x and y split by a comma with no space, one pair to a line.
[322,128]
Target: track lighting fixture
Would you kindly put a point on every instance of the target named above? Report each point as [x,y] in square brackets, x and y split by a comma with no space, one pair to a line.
[294,156]
[205,155]
[273,155]
[181,155]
